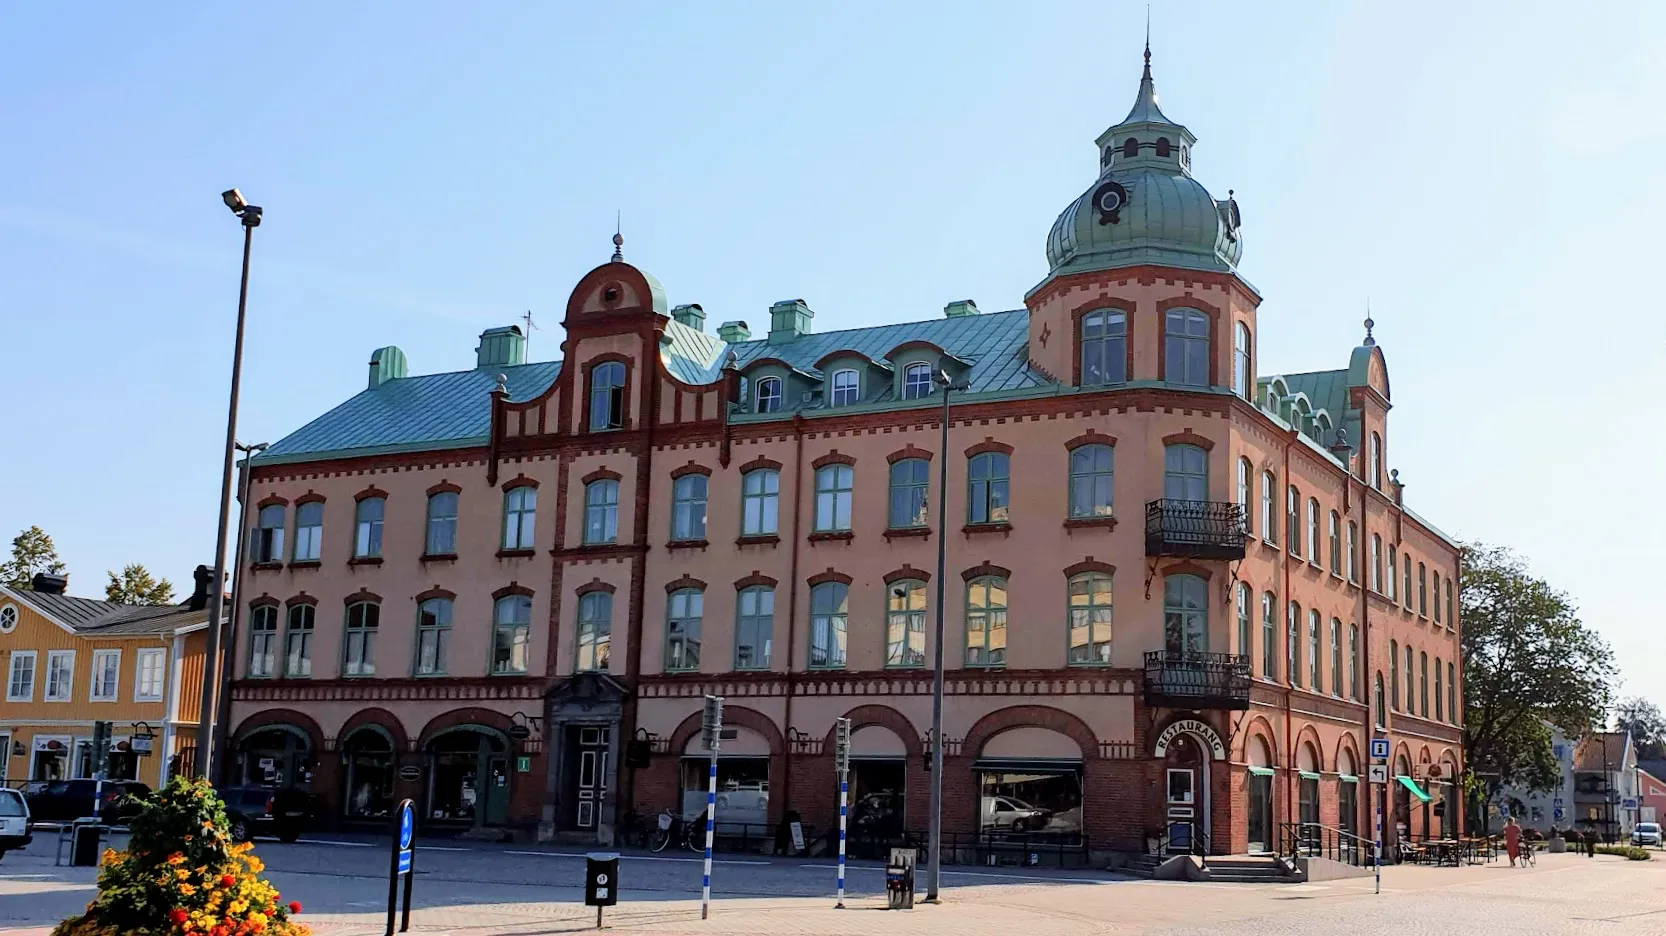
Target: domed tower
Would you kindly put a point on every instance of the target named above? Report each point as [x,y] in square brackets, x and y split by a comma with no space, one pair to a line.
[1146,211]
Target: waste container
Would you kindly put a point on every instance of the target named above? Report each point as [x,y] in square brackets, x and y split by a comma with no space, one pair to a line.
[601,879]
[899,879]
[84,840]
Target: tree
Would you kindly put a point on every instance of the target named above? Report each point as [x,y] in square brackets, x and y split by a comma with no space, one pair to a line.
[1527,661]
[135,586]
[1647,726]
[32,553]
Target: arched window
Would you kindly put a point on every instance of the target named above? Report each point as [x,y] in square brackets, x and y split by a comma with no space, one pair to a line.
[607,396]
[1293,519]
[1375,459]
[309,531]
[1393,565]
[595,632]
[1241,377]
[1423,684]
[1185,473]
[986,621]
[684,620]
[1394,673]
[1244,636]
[1186,348]
[1315,653]
[263,639]
[1422,590]
[986,488]
[910,487]
[1090,619]
[1405,560]
[1130,148]
[1090,481]
[769,395]
[1335,543]
[1440,703]
[441,539]
[359,649]
[433,636]
[847,388]
[268,538]
[297,642]
[1437,596]
[905,624]
[1104,348]
[1353,662]
[1336,683]
[1185,614]
[1162,146]
[1451,608]
[1376,563]
[1353,552]
[1245,491]
[601,512]
[1313,543]
[1293,644]
[1269,516]
[1452,691]
[1381,705]
[829,616]
[520,517]
[916,381]
[834,485]
[754,627]
[511,634]
[1411,701]
[1269,636]
[760,502]
[688,507]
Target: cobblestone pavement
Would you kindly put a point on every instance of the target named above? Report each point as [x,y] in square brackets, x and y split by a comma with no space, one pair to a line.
[491,890]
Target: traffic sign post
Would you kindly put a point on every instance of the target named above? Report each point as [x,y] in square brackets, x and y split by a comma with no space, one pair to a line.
[841,765]
[711,729]
[401,863]
[1379,749]
[1378,777]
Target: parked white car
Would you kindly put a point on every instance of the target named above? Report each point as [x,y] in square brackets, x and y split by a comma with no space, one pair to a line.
[1646,833]
[14,821]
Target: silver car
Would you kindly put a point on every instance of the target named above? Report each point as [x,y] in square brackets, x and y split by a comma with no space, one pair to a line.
[1646,833]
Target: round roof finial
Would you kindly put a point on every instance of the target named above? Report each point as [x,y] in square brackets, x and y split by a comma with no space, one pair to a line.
[502,384]
[1369,324]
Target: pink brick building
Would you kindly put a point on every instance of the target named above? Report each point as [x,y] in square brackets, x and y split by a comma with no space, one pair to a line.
[1181,594]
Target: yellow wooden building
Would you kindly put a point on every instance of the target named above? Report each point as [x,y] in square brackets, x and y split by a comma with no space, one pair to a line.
[72,661]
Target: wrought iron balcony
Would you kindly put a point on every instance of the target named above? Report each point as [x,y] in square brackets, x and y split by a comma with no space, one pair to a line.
[1195,529]
[1186,679]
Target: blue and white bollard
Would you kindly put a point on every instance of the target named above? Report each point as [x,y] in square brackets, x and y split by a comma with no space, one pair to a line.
[844,793]
[711,814]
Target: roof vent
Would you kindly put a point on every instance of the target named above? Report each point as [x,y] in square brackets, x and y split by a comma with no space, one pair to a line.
[691,315]
[386,364]
[49,584]
[501,347]
[960,308]
[788,319]
[734,332]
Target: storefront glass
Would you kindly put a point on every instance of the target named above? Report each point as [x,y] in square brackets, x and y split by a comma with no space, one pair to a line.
[742,791]
[368,770]
[278,758]
[1045,801]
[468,778]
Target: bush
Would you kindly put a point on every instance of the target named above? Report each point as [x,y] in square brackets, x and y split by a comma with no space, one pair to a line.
[1624,851]
[182,874]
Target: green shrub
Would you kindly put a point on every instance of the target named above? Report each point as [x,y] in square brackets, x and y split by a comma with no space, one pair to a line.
[1624,851]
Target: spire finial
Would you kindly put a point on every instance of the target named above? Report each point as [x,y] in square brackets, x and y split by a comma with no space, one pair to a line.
[1369,324]
[618,238]
[1147,75]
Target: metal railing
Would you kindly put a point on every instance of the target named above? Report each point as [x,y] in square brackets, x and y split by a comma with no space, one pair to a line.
[1021,849]
[1198,844]
[1312,840]
[1187,679]
[1198,529]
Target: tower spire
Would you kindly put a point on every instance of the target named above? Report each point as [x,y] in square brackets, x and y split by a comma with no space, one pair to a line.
[1147,76]
[618,238]
[1369,324]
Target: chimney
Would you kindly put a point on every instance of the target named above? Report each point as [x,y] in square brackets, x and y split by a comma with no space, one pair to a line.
[386,364]
[788,319]
[49,584]
[501,347]
[691,315]
[960,308]
[734,332]
[199,596]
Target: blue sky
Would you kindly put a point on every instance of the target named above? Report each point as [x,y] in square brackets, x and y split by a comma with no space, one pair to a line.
[1490,175]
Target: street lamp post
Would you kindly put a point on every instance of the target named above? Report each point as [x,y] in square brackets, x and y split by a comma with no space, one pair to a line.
[228,645]
[249,215]
[934,844]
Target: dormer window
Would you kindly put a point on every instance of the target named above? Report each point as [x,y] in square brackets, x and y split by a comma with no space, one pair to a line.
[1104,348]
[607,396]
[916,381]
[769,395]
[1130,148]
[847,388]
[1162,146]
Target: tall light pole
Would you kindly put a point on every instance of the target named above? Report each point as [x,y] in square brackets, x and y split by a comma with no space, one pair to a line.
[228,644]
[934,846]
[250,216]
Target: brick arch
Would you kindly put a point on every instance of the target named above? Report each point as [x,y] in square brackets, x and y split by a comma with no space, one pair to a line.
[988,445]
[369,492]
[834,457]
[272,718]
[1309,735]
[687,581]
[822,578]
[272,500]
[734,715]
[1424,756]
[379,717]
[310,497]
[1188,437]
[1089,564]
[594,585]
[455,718]
[1258,726]
[1091,437]
[755,579]
[264,601]
[908,451]
[444,487]
[602,474]
[907,572]
[1346,743]
[883,716]
[1031,716]
[691,468]
[1402,750]
[985,569]
[760,462]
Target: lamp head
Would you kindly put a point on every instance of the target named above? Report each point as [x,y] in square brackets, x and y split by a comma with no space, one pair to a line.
[234,200]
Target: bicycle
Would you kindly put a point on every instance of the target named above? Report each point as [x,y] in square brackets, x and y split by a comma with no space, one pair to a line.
[660,835]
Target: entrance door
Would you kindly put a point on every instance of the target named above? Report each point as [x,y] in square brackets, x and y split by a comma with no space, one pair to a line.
[1309,812]
[1260,812]
[1182,808]
[1347,807]
[589,775]
[497,789]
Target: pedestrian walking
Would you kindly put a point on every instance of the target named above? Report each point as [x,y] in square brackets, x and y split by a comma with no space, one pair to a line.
[1512,840]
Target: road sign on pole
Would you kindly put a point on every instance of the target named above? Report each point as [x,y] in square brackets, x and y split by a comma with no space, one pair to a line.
[711,729]
[1378,773]
[841,764]
[1379,748]
[402,863]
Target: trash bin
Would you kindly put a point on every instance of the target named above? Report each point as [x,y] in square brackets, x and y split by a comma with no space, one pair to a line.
[601,879]
[84,841]
[899,879]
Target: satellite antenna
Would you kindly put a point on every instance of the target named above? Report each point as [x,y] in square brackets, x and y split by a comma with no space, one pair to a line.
[530,326]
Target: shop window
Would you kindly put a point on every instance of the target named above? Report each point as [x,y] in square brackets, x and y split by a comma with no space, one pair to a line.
[1036,803]
[368,759]
[742,806]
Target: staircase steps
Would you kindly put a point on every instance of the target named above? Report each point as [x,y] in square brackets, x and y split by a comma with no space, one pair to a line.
[1231,869]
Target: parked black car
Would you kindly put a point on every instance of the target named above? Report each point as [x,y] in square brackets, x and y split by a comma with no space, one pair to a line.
[68,800]
[253,811]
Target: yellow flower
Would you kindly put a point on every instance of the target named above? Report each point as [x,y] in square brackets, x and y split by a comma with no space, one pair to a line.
[237,906]
[176,859]
[187,889]
[181,873]
[257,917]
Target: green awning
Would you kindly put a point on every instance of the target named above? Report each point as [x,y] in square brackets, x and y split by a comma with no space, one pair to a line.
[1261,771]
[1347,778]
[1416,790]
[1308,775]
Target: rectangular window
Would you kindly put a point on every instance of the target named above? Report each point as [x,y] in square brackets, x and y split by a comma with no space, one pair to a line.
[511,634]
[1186,347]
[1451,608]
[149,675]
[520,516]
[1269,516]
[905,624]
[1315,654]
[754,627]
[1090,619]
[1406,560]
[910,482]
[433,636]
[1313,550]
[769,395]
[595,631]
[1353,552]
[829,617]
[1393,564]
[367,535]
[1452,691]
[1104,348]
[1440,700]
[916,382]
[601,512]
[359,654]
[685,617]
[1394,674]
[986,488]
[1422,590]
[1244,636]
[846,388]
[834,484]
[20,680]
[1293,644]
[1245,492]
[688,508]
[1411,700]
[297,649]
[1437,597]
[60,675]
[1269,637]
[760,502]
[607,396]
[1353,662]
[986,622]
[263,641]
[1423,685]
[268,535]
[1335,657]
[1376,563]
[309,531]
[1335,544]
[442,525]
[1293,520]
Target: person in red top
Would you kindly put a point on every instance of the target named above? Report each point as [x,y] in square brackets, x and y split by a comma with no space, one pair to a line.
[1512,840]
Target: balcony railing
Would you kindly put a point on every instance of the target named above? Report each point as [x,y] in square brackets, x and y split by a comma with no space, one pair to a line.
[1195,529]
[1185,679]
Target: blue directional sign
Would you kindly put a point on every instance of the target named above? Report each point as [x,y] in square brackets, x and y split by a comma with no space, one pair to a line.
[407,832]
[1379,748]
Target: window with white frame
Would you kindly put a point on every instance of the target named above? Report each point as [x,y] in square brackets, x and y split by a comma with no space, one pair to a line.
[520,517]
[760,502]
[1394,674]
[1353,662]
[309,531]
[1269,514]
[1104,348]
[1241,360]
[1245,491]
[1335,543]
[769,395]
[834,487]
[916,381]
[601,512]
[905,624]
[1293,520]
[1353,552]
[150,674]
[8,618]
[847,388]
[1375,461]
[1393,564]
[20,677]
[1091,477]
[511,634]
[688,508]
[1406,592]
[60,675]
[1244,633]
[1376,563]
[1313,550]
[367,532]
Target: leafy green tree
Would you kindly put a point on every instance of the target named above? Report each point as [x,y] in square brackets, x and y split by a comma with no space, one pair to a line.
[1527,660]
[1647,726]
[136,586]
[32,553]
